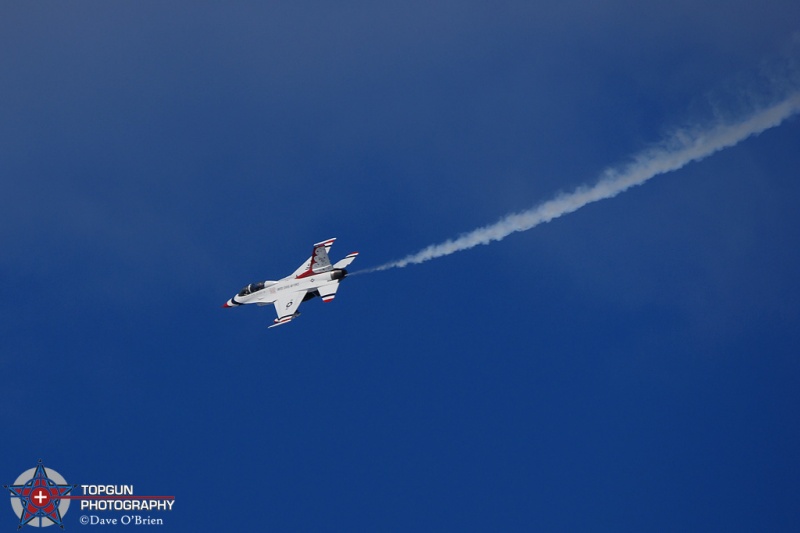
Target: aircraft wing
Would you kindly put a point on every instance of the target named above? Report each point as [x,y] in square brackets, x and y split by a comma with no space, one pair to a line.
[286,307]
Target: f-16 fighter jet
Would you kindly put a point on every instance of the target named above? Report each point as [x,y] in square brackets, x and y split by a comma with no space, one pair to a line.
[316,277]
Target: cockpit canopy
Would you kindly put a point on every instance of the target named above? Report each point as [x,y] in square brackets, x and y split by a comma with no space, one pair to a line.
[254,287]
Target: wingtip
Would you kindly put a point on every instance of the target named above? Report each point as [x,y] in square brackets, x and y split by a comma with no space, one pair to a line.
[283,320]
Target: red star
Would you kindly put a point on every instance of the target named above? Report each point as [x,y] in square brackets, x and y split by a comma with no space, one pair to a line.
[40,497]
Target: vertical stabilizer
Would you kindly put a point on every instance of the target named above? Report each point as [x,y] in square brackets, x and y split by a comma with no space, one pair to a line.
[318,262]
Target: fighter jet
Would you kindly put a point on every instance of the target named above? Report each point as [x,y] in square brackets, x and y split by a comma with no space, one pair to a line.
[315,277]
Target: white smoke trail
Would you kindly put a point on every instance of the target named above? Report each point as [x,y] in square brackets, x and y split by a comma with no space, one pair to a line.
[678,151]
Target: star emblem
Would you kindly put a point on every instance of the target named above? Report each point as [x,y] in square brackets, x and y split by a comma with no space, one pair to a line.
[40,497]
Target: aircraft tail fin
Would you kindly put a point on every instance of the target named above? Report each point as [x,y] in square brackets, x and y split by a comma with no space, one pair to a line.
[318,262]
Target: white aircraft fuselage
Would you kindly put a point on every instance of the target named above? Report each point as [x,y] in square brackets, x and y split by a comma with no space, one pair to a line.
[315,277]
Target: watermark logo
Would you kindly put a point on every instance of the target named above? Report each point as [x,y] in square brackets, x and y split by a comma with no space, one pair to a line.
[38,497]
[41,497]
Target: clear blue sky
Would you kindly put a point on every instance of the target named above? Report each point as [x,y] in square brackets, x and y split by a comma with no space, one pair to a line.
[633,366]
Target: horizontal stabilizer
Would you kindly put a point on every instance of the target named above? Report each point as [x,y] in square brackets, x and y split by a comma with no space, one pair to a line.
[344,263]
[328,291]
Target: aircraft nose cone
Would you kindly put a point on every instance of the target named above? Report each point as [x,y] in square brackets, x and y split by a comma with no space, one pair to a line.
[226,304]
